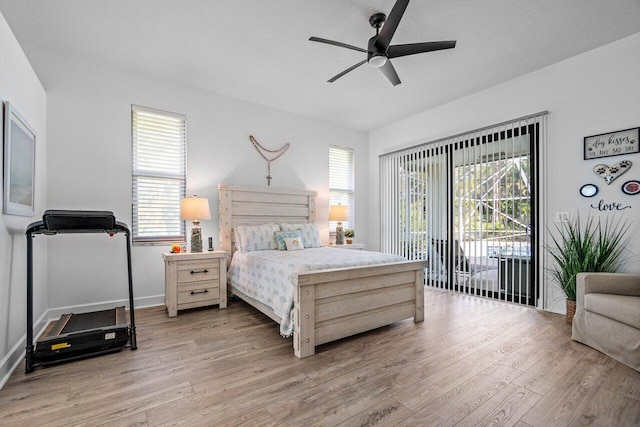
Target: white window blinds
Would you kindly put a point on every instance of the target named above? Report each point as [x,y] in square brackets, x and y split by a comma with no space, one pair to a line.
[341,183]
[159,174]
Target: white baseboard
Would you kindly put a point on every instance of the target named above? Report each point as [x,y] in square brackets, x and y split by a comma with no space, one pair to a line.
[12,359]
[10,362]
[151,301]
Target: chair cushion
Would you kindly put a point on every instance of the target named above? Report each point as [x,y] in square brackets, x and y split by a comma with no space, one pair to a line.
[622,308]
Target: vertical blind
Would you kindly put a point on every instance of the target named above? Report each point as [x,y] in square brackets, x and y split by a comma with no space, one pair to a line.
[341,183]
[469,206]
[159,174]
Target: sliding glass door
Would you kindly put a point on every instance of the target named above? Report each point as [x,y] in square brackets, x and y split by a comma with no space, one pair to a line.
[467,206]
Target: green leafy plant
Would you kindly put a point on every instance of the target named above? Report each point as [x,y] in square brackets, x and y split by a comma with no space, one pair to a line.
[595,247]
[350,233]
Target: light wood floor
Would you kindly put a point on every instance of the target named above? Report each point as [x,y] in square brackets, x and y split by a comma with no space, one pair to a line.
[472,362]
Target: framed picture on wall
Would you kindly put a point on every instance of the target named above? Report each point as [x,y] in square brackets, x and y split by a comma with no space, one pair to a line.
[612,144]
[19,164]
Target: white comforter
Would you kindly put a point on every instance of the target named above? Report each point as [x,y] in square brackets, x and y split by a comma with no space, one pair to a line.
[266,276]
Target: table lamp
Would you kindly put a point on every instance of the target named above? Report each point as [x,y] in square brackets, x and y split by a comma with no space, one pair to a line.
[195,208]
[339,213]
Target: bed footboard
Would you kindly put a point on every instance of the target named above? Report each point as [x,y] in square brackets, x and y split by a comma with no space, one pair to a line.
[337,303]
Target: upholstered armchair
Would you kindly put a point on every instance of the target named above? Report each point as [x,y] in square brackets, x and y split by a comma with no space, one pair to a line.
[608,315]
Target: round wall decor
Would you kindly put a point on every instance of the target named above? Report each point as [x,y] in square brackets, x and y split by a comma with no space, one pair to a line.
[588,190]
[631,187]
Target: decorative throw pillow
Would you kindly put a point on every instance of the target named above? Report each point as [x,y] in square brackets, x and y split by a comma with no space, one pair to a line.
[281,235]
[309,233]
[293,243]
[256,238]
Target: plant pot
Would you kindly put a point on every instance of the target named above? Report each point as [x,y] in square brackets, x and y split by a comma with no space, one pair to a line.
[349,241]
[571,311]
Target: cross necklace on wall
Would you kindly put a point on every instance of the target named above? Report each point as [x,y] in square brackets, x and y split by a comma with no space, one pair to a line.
[277,154]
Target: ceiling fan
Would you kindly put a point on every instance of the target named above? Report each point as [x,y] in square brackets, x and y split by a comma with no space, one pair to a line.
[379,51]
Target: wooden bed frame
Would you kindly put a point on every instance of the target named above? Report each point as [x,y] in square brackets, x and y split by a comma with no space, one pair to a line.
[328,304]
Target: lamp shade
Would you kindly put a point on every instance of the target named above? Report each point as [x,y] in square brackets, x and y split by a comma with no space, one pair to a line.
[338,213]
[194,208]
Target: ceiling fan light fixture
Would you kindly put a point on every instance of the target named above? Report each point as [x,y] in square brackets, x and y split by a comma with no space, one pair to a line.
[377,61]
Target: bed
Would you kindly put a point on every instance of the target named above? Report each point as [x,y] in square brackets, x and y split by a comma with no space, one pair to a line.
[328,304]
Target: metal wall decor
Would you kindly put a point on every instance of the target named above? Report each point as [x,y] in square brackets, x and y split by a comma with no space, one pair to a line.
[276,155]
[609,174]
[612,144]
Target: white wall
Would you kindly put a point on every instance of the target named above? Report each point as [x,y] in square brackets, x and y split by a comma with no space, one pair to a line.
[596,92]
[89,164]
[20,86]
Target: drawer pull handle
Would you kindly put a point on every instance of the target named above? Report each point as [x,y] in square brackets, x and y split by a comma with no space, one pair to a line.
[199,271]
[206,291]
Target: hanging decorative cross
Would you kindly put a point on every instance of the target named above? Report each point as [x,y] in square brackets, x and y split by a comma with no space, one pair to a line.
[277,154]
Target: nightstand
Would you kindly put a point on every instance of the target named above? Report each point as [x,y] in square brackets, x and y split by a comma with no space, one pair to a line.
[353,246]
[195,280]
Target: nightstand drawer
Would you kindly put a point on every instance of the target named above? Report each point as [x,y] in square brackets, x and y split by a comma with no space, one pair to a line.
[198,291]
[197,271]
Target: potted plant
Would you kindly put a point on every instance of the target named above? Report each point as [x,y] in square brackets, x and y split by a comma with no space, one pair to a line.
[595,247]
[349,235]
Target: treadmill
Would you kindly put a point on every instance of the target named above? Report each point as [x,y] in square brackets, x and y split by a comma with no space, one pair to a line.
[76,336]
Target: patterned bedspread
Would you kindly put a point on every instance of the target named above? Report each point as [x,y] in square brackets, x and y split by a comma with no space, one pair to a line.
[266,276]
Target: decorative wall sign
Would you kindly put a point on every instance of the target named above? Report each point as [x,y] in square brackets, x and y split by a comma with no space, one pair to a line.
[609,174]
[631,187]
[19,164]
[588,190]
[612,144]
[602,206]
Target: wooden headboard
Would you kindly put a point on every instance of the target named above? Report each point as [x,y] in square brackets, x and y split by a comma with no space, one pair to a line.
[241,205]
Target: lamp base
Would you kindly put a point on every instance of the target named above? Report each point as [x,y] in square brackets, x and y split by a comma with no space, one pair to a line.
[339,235]
[196,237]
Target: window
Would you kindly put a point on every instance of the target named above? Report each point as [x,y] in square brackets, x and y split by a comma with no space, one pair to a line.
[159,174]
[341,183]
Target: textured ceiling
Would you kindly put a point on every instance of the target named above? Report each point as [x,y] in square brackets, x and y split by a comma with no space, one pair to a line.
[259,51]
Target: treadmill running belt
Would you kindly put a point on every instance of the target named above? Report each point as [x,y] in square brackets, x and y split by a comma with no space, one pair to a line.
[95,320]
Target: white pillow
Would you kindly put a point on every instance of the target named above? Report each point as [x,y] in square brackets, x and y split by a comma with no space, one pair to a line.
[293,243]
[281,235]
[309,233]
[256,238]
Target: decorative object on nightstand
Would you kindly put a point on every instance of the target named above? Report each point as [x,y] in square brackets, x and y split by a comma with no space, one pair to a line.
[195,208]
[349,234]
[195,280]
[339,213]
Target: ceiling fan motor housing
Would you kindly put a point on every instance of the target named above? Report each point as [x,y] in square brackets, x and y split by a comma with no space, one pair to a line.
[375,57]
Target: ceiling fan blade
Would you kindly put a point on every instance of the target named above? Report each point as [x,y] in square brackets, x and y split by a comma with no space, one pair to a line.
[413,48]
[347,46]
[390,25]
[390,72]
[333,79]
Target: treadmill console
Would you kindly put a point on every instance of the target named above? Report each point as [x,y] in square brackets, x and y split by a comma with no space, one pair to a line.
[69,221]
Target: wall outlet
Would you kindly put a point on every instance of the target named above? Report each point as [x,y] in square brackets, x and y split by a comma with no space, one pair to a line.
[562,216]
